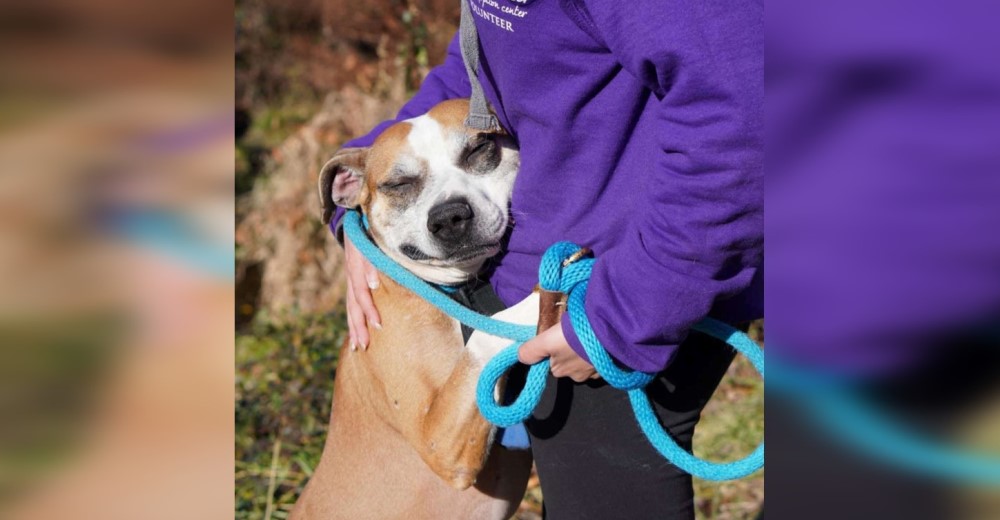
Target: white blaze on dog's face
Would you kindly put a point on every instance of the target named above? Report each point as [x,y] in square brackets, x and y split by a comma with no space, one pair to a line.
[435,192]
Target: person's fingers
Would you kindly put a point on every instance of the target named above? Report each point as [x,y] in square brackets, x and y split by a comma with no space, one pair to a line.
[353,312]
[364,278]
[350,320]
[532,351]
[364,298]
[358,317]
[371,274]
[350,330]
[574,371]
[572,367]
[565,362]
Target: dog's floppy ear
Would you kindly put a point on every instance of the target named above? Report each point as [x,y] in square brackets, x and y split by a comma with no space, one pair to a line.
[341,180]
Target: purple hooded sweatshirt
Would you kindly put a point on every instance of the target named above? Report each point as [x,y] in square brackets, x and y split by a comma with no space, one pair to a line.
[639,125]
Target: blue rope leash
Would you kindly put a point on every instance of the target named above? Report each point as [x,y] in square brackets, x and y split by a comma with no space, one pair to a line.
[838,405]
[571,280]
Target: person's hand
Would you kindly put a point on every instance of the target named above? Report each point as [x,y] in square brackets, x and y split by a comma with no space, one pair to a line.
[563,360]
[362,279]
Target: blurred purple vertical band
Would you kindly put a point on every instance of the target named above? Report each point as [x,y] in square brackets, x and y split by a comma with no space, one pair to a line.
[883,233]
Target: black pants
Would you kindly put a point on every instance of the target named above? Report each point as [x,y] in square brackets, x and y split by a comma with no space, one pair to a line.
[593,460]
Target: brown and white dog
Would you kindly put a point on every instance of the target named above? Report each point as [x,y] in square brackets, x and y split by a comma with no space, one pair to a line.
[406,439]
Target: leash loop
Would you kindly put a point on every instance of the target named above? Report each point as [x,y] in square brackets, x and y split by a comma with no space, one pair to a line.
[522,406]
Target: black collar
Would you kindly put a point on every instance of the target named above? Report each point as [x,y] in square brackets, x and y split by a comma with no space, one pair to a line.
[479,296]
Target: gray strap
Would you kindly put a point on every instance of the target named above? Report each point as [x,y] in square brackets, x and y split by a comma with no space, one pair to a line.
[480,116]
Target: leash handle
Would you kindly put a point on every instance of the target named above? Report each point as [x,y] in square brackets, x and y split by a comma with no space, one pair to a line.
[563,269]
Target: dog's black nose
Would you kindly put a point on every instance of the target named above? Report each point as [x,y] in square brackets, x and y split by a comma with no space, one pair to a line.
[449,220]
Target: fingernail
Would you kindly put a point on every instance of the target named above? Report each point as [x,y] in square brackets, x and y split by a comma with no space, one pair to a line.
[364,346]
[354,346]
[377,325]
[373,282]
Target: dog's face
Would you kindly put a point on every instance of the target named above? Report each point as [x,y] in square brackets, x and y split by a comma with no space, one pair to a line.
[435,192]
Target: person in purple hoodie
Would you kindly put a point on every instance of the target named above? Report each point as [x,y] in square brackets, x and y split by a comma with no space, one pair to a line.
[640,132]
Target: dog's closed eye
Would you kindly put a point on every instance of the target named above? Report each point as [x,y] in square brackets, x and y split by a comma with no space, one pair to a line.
[482,154]
[399,185]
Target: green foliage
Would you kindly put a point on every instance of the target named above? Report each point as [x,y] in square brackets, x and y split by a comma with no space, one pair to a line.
[284,386]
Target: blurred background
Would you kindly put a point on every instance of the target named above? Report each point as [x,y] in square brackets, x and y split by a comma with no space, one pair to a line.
[310,75]
[118,127]
[116,246]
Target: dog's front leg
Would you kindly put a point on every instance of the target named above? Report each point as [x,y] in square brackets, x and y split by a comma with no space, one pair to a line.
[455,438]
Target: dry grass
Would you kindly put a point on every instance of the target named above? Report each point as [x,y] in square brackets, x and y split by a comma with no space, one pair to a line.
[731,427]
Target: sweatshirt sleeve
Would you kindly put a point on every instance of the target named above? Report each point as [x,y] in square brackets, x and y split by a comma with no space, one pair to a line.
[698,237]
[446,81]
